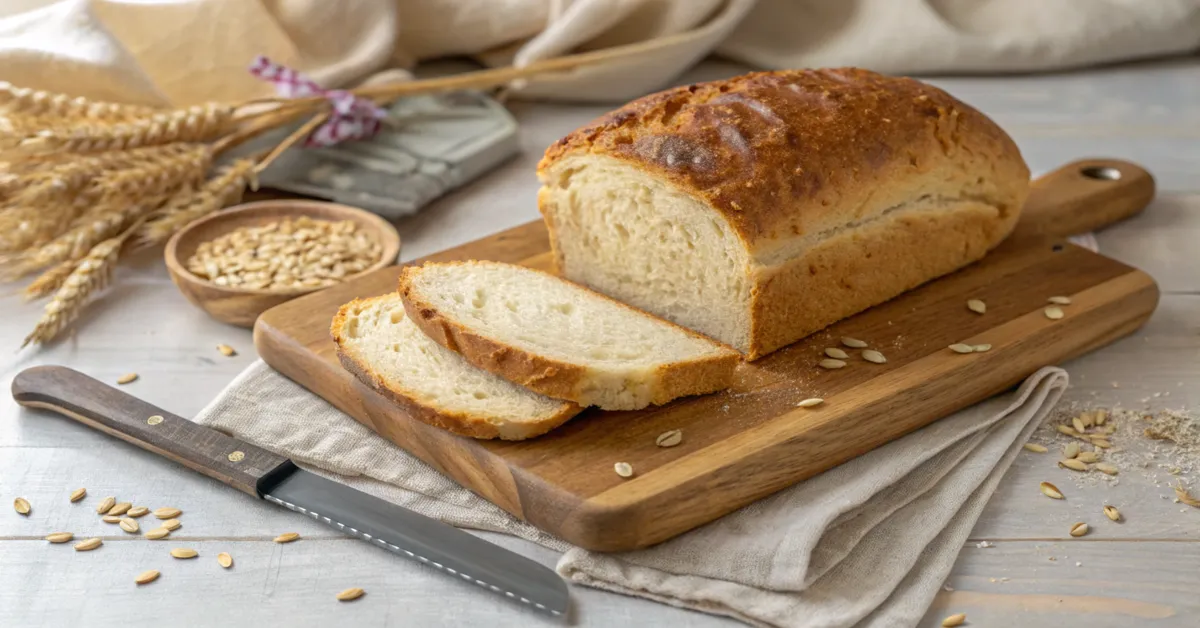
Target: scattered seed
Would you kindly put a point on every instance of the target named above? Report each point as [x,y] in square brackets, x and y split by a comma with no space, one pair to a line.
[88,545]
[954,620]
[959,347]
[1060,300]
[982,348]
[1088,456]
[854,343]
[1101,443]
[287,537]
[78,494]
[167,513]
[1050,490]
[1079,529]
[830,363]
[1184,497]
[1077,423]
[1035,448]
[669,438]
[184,552]
[977,306]
[60,537]
[1109,469]
[226,350]
[171,524]
[350,594]
[871,355]
[1071,449]
[105,504]
[1073,465]
[1100,417]
[1053,313]
[1112,513]
[808,403]
[110,519]
[1063,429]
[137,511]
[225,560]
[1086,418]
[119,509]
[836,353]
[146,577]
[21,505]
[129,525]
[127,378]
[623,469]
[157,533]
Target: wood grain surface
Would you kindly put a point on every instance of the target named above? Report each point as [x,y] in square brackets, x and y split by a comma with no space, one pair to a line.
[752,440]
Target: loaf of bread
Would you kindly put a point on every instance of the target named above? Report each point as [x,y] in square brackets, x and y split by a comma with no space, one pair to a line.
[561,339]
[759,209]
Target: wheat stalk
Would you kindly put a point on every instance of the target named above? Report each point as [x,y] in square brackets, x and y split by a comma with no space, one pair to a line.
[49,281]
[201,123]
[101,223]
[90,276]
[35,102]
[50,200]
[224,189]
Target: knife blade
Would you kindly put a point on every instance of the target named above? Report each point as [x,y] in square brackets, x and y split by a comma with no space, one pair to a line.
[276,479]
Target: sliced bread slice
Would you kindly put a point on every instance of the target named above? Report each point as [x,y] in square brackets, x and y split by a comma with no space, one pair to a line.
[386,351]
[561,339]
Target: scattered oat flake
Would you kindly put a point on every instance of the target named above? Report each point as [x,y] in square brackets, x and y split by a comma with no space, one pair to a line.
[1073,464]
[78,494]
[1035,448]
[225,560]
[977,306]
[1050,490]
[959,347]
[830,363]
[669,438]
[808,403]
[167,513]
[983,348]
[287,537]
[1053,313]
[836,353]
[226,350]
[184,552]
[105,504]
[854,343]
[1112,513]
[1079,529]
[147,577]
[127,378]
[1060,300]
[21,505]
[954,620]
[623,469]
[871,355]
[60,537]
[88,545]
[350,594]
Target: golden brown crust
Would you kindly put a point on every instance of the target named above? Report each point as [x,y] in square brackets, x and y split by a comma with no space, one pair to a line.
[551,377]
[456,422]
[785,154]
[845,275]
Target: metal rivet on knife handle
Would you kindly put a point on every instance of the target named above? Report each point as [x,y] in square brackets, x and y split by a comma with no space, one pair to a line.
[237,456]
[155,419]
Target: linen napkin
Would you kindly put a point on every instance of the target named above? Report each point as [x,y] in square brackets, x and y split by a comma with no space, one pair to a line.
[867,543]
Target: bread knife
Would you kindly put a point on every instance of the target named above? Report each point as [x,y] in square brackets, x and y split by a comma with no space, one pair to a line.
[277,480]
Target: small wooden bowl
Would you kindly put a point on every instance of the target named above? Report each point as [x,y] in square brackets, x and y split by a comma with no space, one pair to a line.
[241,306]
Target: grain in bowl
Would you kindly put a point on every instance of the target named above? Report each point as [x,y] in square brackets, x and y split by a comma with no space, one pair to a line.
[286,254]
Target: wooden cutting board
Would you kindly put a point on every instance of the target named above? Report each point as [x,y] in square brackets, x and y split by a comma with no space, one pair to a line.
[752,440]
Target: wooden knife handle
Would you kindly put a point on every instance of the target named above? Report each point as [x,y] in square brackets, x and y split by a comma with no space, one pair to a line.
[73,394]
[1083,196]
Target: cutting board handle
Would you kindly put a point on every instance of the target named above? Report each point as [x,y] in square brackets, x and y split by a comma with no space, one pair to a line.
[1084,196]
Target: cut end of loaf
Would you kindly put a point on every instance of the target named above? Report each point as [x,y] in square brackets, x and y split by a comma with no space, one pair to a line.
[383,349]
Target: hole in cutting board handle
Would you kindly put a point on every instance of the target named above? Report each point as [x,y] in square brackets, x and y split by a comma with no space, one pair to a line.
[1102,173]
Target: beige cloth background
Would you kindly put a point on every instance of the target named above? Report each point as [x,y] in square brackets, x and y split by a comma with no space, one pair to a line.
[186,51]
[868,543]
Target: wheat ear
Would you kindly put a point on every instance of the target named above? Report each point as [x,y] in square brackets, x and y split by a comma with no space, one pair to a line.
[103,222]
[91,275]
[201,123]
[35,102]
[226,188]
[49,281]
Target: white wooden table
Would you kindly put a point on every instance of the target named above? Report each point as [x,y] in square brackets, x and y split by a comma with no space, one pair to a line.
[1143,573]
